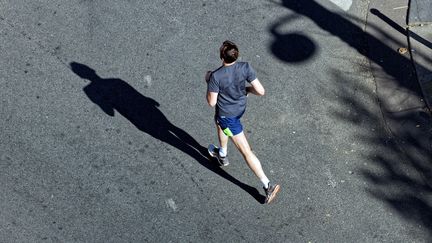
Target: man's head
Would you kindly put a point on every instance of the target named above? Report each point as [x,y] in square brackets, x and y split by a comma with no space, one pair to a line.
[229,52]
[84,71]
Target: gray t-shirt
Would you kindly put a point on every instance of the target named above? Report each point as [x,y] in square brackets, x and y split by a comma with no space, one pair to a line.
[230,84]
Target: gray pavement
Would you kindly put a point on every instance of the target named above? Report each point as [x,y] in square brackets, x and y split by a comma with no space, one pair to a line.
[117,156]
[407,117]
[420,12]
[420,42]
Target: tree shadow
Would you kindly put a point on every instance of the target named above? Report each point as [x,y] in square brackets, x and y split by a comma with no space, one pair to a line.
[114,94]
[399,175]
[393,63]
[401,136]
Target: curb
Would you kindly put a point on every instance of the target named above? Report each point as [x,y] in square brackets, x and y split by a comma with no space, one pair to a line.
[419,31]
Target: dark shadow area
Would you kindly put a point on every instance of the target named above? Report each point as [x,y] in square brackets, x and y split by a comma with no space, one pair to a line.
[291,47]
[114,94]
[402,139]
[388,59]
[398,176]
[400,29]
[390,22]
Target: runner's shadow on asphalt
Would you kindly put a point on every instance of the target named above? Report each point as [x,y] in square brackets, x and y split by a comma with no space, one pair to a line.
[114,94]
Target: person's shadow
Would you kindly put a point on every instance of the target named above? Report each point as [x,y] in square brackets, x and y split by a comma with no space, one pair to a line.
[114,94]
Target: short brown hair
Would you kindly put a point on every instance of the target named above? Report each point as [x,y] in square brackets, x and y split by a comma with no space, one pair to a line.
[229,51]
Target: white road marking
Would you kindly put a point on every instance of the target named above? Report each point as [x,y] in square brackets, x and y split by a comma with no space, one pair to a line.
[330,179]
[170,202]
[148,80]
[343,4]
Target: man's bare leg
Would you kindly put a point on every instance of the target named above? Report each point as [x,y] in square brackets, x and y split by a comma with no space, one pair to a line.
[220,153]
[223,140]
[252,161]
[243,146]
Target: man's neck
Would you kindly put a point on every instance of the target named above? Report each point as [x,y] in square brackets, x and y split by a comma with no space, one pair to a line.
[228,64]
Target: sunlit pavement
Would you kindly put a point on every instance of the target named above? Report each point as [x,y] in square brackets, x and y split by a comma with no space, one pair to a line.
[105,123]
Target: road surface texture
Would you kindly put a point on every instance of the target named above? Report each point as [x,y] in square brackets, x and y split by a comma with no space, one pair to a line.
[104,125]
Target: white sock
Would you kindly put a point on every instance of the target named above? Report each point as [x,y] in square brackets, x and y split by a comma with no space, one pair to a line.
[265,181]
[222,152]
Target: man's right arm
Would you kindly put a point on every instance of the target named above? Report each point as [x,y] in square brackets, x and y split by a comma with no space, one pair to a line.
[212,89]
[256,88]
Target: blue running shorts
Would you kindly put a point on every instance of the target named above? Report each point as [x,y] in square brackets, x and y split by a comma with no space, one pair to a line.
[231,126]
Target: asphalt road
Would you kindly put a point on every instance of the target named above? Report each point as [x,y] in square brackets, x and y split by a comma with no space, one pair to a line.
[117,156]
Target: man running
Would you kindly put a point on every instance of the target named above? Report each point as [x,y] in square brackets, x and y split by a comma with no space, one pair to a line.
[227,91]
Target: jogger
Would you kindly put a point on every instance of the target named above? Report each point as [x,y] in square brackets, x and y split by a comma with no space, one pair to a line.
[227,91]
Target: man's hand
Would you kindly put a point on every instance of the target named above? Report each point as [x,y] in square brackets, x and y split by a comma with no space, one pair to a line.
[248,90]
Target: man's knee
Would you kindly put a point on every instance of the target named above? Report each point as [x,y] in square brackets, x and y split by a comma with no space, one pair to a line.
[242,144]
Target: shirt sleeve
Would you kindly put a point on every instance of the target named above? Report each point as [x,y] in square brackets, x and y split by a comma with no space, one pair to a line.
[213,85]
[250,73]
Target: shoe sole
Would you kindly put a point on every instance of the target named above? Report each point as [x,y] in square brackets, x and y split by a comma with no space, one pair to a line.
[211,152]
[221,163]
[273,195]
